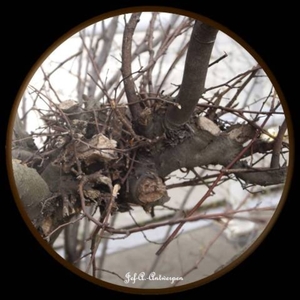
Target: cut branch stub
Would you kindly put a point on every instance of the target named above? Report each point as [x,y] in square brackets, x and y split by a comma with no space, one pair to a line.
[104,149]
[72,109]
[147,190]
[241,133]
[99,148]
[68,106]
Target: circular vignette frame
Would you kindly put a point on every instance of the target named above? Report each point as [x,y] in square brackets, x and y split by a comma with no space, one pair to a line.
[232,264]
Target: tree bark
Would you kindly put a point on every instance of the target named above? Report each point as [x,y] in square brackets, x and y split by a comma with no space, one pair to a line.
[205,149]
[131,95]
[194,75]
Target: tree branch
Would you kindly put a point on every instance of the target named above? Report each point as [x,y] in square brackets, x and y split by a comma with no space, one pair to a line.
[196,65]
[206,149]
[108,37]
[135,109]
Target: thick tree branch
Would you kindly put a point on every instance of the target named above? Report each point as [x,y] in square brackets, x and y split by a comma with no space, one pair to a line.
[196,65]
[131,95]
[206,149]
[262,177]
[203,149]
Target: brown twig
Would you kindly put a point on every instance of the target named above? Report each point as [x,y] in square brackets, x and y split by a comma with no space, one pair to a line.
[81,185]
[47,79]
[62,226]
[174,63]
[97,239]
[209,191]
[157,99]
[230,109]
[177,214]
[142,232]
[211,243]
[196,217]
[243,85]
[211,113]
[218,60]
[62,63]
[192,182]
[110,272]
[148,78]
[107,37]
[238,77]
[104,248]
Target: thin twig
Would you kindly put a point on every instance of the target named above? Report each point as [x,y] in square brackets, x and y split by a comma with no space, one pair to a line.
[218,60]
[81,185]
[111,272]
[239,77]
[230,109]
[179,212]
[104,248]
[209,191]
[62,63]
[97,239]
[142,232]
[194,218]
[211,243]
[62,226]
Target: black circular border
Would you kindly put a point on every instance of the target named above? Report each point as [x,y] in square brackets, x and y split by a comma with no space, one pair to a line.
[24,254]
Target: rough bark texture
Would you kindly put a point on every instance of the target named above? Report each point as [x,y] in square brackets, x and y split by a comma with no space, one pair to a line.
[97,150]
[145,178]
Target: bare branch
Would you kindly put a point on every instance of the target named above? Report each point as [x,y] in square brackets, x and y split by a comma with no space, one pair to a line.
[218,60]
[213,240]
[210,190]
[230,214]
[196,64]
[97,239]
[108,37]
[64,62]
[241,88]
[126,65]
[178,57]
